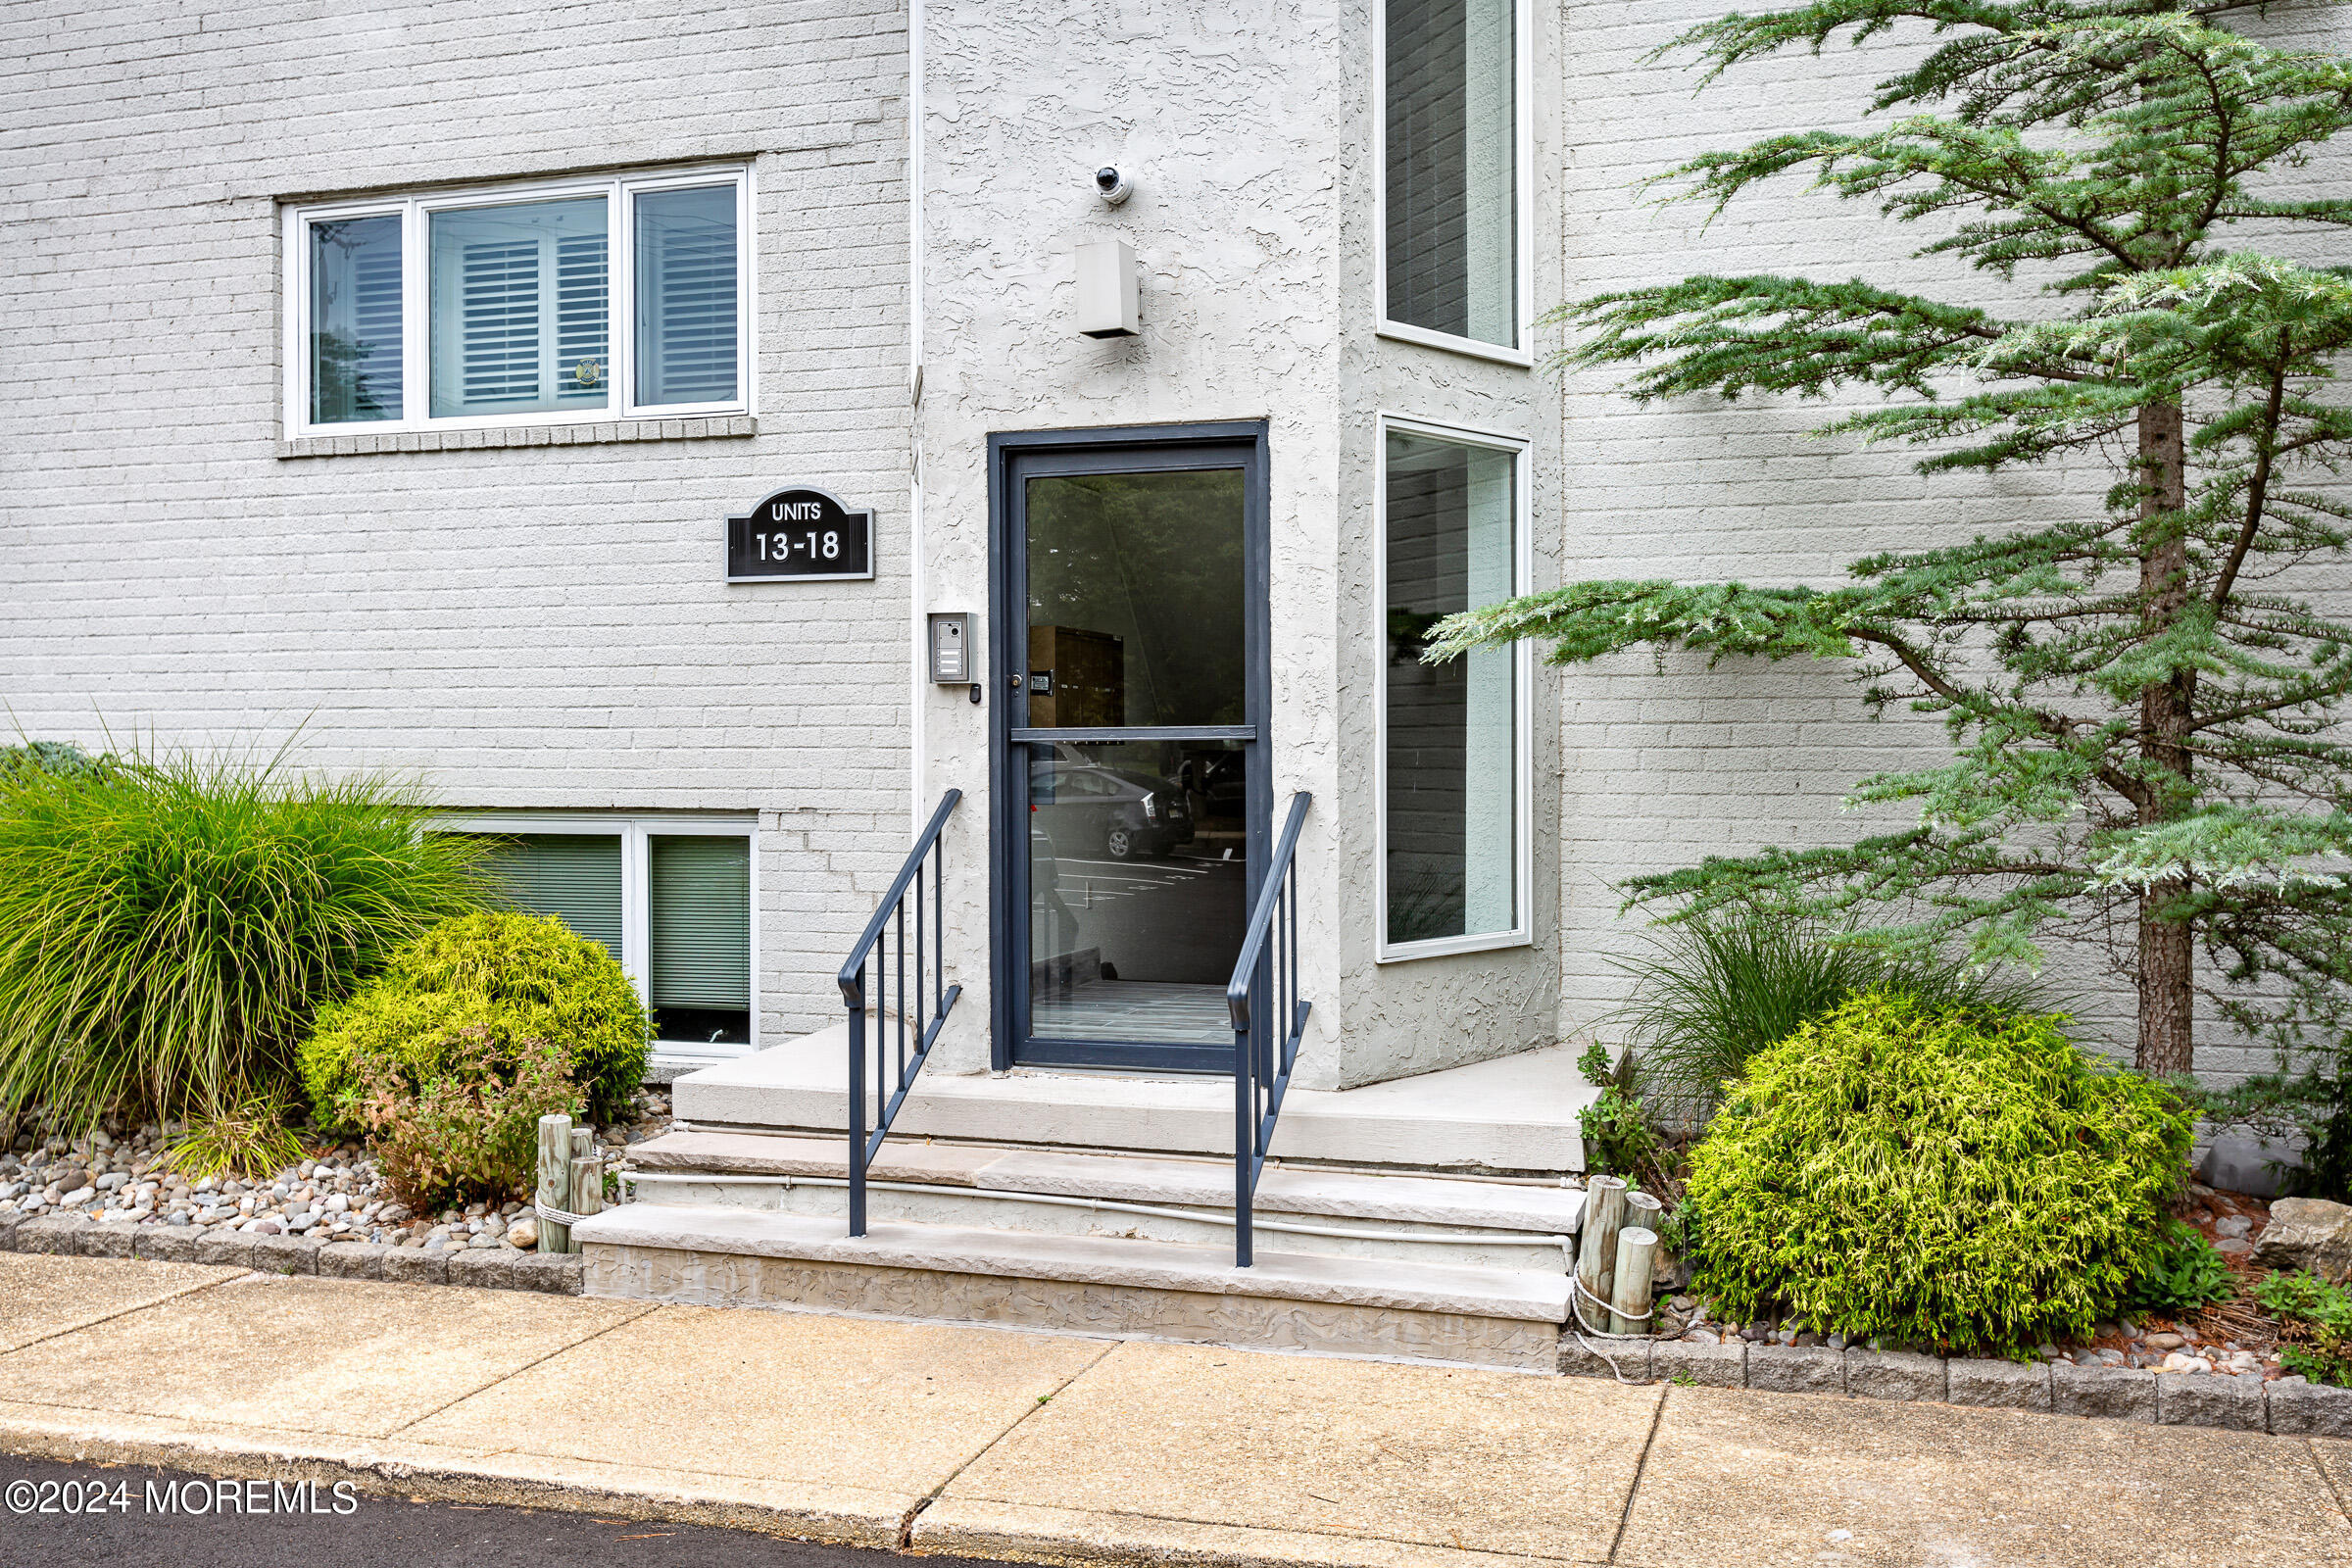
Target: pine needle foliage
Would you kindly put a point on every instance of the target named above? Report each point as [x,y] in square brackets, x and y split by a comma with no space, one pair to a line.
[1933,1177]
[2141,699]
[167,926]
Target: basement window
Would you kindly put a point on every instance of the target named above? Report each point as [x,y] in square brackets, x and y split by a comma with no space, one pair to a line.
[1453,221]
[577,300]
[1453,754]
[670,896]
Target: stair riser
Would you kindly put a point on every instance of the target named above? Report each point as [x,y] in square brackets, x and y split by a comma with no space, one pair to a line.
[948,1206]
[1129,1311]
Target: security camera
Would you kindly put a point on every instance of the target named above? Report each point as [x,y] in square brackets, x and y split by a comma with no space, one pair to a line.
[1111,185]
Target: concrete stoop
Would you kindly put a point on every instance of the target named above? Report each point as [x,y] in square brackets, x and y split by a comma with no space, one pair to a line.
[1118,1286]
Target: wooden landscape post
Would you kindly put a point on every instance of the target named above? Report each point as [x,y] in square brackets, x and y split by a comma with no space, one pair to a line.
[587,1184]
[1596,1253]
[1637,1249]
[1640,1216]
[554,1180]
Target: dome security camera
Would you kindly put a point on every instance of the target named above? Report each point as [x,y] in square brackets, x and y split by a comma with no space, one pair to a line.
[1112,185]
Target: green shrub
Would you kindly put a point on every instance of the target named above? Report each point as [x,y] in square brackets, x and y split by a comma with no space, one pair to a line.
[1712,992]
[251,1138]
[61,758]
[2317,1319]
[1618,1137]
[168,927]
[456,1117]
[519,977]
[2182,1273]
[1936,1176]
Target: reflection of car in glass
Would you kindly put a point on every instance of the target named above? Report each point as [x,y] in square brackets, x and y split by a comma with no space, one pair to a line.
[1086,809]
[1222,781]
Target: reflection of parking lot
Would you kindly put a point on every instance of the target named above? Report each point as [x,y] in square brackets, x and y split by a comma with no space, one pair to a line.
[1176,919]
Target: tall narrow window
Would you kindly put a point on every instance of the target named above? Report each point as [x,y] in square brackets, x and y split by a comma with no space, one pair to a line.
[686,296]
[1451,822]
[700,927]
[354,348]
[1452,175]
[520,318]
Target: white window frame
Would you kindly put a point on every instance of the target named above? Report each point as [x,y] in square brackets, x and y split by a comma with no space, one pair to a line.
[1522,932]
[636,923]
[620,193]
[1522,354]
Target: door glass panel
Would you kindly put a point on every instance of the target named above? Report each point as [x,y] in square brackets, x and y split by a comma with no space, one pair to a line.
[1136,607]
[1137,888]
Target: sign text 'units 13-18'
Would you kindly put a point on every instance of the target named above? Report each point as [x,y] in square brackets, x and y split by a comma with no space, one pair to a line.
[801,534]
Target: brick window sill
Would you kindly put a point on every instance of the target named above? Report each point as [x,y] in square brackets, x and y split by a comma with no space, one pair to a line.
[521,435]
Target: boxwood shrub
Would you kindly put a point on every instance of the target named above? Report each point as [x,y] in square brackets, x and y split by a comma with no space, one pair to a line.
[514,977]
[1934,1176]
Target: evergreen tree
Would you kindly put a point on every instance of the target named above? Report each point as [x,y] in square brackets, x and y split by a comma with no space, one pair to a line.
[2141,699]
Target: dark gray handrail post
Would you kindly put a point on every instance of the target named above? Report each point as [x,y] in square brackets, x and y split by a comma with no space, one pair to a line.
[857,1107]
[1245,1147]
[1246,1008]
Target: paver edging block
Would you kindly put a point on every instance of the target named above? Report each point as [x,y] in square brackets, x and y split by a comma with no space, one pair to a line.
[112,1239]
[555,1273]
[2115,1393]
[351,1260]
[481,1268]
[286,1255]
[2210,1400]
[59,1234]
[165,1243]
[1895,1375]
[2309,1411]
[415,1266]
[234,1247]
[1796,1368]
[1714,1366]
[1997,1385]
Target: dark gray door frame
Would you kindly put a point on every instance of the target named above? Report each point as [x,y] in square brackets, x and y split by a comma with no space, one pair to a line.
[1123,449]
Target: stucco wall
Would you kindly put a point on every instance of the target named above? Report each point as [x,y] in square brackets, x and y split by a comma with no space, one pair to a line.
[540,626]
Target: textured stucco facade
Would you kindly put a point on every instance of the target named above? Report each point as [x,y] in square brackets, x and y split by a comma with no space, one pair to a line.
[536,619]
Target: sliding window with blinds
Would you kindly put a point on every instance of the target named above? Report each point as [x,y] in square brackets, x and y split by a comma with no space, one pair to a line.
[573,876]
[584,300]
[699,925]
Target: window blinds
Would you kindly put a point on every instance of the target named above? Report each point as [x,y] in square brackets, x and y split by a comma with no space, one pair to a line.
[572,877]
[355,320]
[686,296]
[521,308]
[699,911]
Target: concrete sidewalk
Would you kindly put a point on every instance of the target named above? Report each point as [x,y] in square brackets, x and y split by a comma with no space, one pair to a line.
[1001,1444]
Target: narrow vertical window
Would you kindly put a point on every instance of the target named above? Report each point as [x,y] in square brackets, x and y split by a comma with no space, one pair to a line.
[521,308]
[355,347]
[1452,175]
[1451,830]
[686,292]
[699,926]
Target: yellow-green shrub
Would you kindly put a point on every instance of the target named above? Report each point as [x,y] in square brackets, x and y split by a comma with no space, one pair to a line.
[515,976]
[1941,1177]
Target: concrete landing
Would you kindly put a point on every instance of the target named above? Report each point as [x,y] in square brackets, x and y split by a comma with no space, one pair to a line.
[1515,1114]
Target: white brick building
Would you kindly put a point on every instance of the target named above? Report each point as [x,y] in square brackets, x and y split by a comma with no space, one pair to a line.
[385,377]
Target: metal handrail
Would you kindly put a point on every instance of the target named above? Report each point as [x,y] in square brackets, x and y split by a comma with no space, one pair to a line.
[931,1008]
[1267,968]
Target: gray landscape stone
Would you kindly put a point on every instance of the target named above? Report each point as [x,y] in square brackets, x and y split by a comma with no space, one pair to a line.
[226,1246]
[7,1230]
[415,1265]
[2309,1409]
[1797,1369]
[1574,1359]
[2308,1233]
[2210,1400]
[113,1239]
[1997,1385]
[1893,1375]
[165,1243]
[351,1260]
[484,1270]
[51,1233]
[564,1273]
[2116,1393]
[1717,1367]
[286,1255]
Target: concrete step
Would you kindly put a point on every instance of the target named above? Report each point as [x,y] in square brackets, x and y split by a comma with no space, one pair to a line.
[723,1257]
[1513,1116]
[1510,1225]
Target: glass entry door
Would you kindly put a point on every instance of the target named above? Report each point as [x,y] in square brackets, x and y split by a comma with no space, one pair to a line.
[1131,642]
